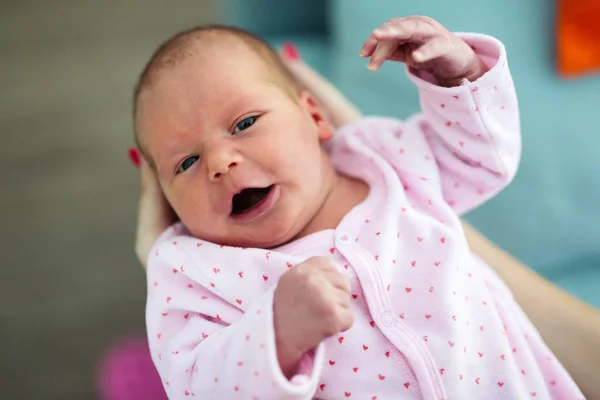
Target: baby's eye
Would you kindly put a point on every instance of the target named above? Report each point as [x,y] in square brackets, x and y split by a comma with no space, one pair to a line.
[188,162]
[245,124]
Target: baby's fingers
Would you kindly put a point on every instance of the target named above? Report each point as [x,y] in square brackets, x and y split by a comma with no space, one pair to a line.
[432,49]
[409,29]
[383,50]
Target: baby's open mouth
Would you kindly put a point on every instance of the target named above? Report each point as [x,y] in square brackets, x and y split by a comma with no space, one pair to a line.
[247,199]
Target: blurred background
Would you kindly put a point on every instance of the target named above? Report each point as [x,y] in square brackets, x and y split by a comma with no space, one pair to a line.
[70,286]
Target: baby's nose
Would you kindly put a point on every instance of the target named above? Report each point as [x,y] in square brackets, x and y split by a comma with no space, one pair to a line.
[221,161]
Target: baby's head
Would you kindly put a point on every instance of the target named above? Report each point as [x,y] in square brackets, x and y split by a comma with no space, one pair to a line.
[234,140]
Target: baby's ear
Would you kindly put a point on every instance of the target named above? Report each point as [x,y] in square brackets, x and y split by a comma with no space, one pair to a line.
[325,129]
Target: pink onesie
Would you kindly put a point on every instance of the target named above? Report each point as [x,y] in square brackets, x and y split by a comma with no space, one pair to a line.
[432,321]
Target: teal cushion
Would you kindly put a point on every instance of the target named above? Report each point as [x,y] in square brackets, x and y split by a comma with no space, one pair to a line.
[551,211]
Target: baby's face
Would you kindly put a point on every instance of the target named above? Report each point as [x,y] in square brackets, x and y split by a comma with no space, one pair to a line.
[238,158]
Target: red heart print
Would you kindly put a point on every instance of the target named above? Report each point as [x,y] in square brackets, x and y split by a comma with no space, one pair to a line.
[523,372]
[381,377]
[216,270]
[451,343]
[247,337]
[413,263]
[322,386]
[456,97]
[265,278]
[393,261]
[240,363]
[182,269]
[241,274]
[428,316]
[372,323]
[198,244]
[401,150]
[367,221]
[431,289]
[168,300]
[374,398]
[500,384]
[238,301]
[406,384]
[175,270]
[454,317]
[341,339]
[355,369]
[331,362]
[387,354]
[332,250]
[425,338]
[401,316]
[388,288]
[204,335]
[187,393]
[408,290]
[347,394]
[289,264]
[377,233]
[164,314]
[443,240]
[480,354]
[553,382]
[236,388]
[186,316]
[514,350]
[175,352]
[442,105]
[365,347]
[174,243]
[344,238]
[155,283]
[477,381]
[267,255]
[346,266]
[419,239]
[448,123]
[354,296]
[502,356]
[481,328]
[533,394]
[216,380]
[484,303]
[461,377]
[437,263]
[376,257]
[442,371]
[190,286]
[158,335]
[203,297]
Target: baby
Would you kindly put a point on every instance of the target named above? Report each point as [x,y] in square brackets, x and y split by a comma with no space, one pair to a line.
[313,265]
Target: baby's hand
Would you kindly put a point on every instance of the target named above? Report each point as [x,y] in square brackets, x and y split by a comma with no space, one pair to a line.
[423,44]
[311,303]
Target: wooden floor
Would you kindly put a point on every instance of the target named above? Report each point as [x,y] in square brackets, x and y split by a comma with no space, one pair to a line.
[69,282]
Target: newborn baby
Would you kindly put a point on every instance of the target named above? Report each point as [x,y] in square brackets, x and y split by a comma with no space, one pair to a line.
[313,265]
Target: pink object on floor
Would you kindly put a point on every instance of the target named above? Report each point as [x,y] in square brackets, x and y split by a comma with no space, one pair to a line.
[127,373]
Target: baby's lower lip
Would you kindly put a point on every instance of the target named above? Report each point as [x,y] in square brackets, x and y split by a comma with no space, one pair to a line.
[261,208]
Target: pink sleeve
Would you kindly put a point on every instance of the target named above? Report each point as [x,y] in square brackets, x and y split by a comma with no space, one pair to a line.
[473,129]
[204,347]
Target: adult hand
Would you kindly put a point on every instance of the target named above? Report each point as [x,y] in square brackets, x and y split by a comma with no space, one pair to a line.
[154,212]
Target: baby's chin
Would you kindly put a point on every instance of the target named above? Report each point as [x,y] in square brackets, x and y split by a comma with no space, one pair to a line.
[261,237]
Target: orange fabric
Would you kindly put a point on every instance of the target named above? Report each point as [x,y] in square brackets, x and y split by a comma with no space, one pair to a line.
[578,41]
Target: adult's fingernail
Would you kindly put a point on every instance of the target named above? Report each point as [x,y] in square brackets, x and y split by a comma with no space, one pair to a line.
[134,156]
[290,52]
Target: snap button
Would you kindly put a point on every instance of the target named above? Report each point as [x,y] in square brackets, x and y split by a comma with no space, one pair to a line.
[387,319]
[344,239]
